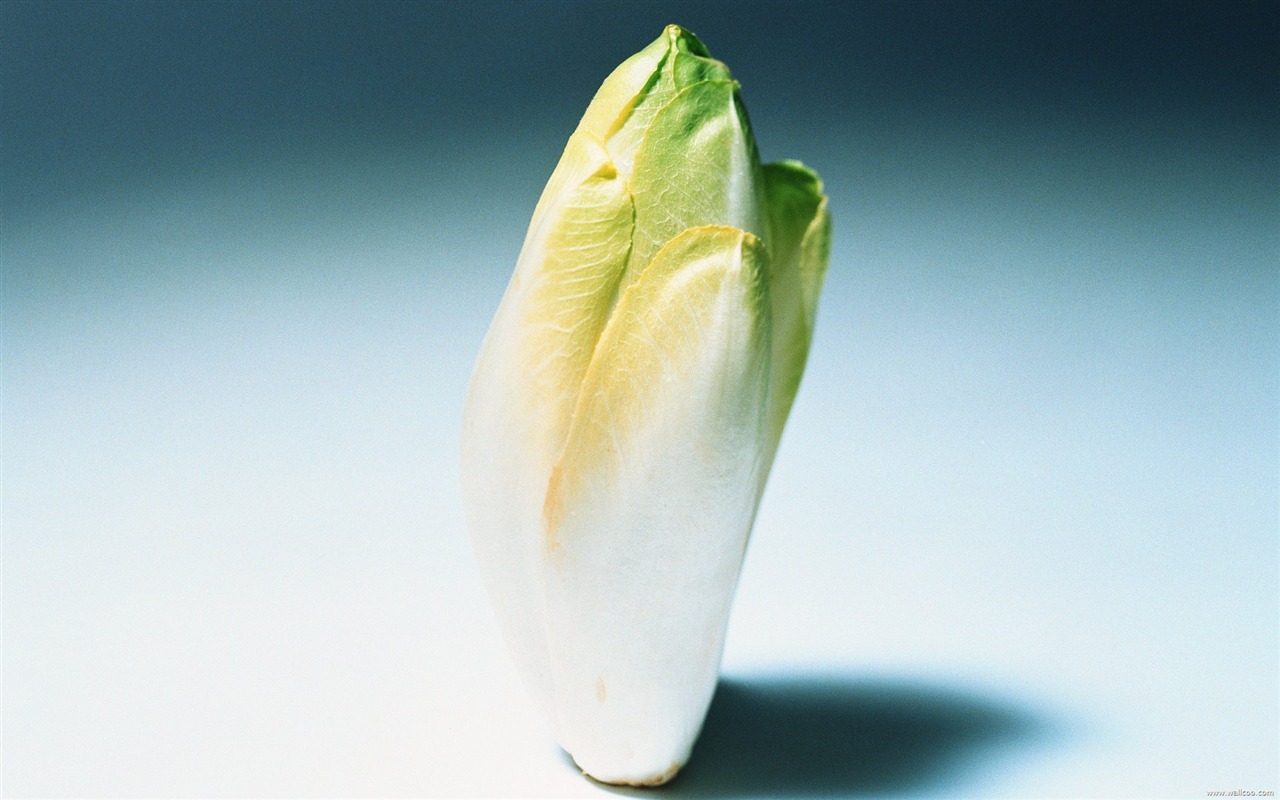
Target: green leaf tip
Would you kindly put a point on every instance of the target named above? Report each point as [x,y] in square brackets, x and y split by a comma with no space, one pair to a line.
[685,41]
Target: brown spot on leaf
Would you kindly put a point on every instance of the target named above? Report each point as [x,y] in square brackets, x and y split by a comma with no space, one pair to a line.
[658,780]
[552,510]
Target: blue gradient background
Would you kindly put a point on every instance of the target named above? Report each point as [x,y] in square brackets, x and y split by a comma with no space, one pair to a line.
[1021,536]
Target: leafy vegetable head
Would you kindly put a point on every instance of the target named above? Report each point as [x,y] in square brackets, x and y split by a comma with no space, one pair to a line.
[628,400]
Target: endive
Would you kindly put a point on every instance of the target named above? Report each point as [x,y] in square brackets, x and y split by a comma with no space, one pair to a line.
[628,399]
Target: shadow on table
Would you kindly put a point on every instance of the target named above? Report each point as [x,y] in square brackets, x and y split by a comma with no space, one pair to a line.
[824,736]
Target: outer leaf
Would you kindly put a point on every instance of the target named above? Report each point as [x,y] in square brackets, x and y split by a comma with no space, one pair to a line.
[648,510]
[526,382]
[685,63]
[697,166]
[800,242]
[625,87]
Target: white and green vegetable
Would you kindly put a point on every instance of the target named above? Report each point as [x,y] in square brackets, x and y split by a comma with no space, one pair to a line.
[628,400]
